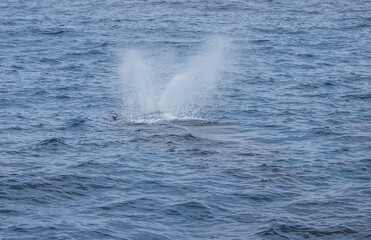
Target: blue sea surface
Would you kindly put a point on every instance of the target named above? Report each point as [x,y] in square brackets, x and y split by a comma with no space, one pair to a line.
[279,149]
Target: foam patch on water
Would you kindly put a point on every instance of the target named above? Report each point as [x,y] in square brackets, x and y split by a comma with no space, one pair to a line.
[155,117]
[177,95]
[162,118]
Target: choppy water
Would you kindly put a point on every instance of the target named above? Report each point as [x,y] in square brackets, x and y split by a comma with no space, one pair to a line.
[279,149]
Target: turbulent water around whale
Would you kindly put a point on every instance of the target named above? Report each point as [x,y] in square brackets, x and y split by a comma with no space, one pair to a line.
[185,119]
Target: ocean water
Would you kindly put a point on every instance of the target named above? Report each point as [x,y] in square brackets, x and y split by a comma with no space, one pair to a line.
[185,119]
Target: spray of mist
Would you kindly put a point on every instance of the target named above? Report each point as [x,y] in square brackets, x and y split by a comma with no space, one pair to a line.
[182,95]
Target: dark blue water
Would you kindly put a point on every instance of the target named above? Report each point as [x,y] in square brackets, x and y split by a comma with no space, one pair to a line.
[280,149]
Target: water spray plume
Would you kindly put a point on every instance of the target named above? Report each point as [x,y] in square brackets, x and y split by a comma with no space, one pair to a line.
[184,94]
